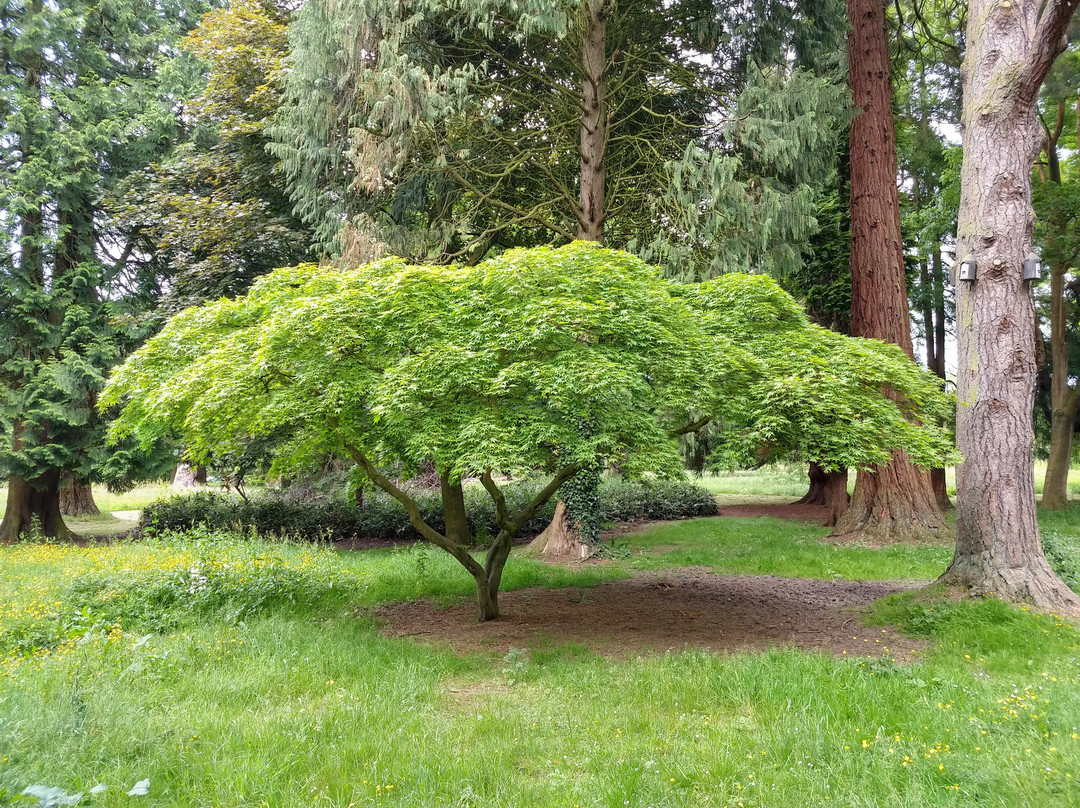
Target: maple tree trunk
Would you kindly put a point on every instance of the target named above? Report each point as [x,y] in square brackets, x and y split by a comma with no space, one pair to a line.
[455,520]
[1009,50]
[1063,400]
[76,498]
[893,502]
[594,123]
[34,507]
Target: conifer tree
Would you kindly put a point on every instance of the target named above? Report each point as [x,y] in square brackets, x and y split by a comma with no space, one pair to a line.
[443,131]
[81,107]
[1056,197]
[1010,51]
[214,213]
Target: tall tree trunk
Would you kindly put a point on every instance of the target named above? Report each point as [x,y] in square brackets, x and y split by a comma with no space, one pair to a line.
[893,502]
[1010,48]
[562,538]
[937,280]
[594,122]
[33,506]
[926,288]
[939,313]
[1063,399]
[827,488]
[77,498]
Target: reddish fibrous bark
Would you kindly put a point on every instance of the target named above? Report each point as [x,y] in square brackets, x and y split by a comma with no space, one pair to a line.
[828,488]
[33,507]
[892,502]
[1010,49]
[76,498]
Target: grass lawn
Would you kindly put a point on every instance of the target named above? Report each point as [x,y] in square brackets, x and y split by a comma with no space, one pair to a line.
[236,673]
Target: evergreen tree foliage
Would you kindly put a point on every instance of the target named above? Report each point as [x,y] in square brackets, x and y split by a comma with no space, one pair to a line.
[1056,198]
[440,131]
[214,212]
[82,105]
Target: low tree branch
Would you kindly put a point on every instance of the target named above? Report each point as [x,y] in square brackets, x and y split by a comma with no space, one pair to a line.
[415,519]
[694,427]
[500,547]
[501,515]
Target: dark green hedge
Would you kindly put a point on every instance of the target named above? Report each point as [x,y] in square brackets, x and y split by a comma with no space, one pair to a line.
[382,517]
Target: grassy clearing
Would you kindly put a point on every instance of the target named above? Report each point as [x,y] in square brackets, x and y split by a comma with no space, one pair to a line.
[767,546]
[788,483]
[133,500]
[239,673]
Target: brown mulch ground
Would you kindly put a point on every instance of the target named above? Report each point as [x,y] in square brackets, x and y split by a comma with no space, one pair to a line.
[672,610]
[793,510]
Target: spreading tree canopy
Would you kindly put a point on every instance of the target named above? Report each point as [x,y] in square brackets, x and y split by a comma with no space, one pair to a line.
[539,362]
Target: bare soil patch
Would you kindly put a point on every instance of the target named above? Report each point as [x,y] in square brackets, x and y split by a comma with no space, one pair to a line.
[657,612]
[792,510]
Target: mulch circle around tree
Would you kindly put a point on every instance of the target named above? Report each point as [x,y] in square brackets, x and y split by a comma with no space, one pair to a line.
[657,612]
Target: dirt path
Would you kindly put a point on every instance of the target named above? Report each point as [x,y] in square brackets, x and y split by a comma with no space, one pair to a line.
[792,510]
[671,610]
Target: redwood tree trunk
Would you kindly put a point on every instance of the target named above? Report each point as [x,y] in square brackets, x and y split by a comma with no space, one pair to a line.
[892,502]
[1063,400]
[76,498]
[33,507]
[1009,51]
[827,488]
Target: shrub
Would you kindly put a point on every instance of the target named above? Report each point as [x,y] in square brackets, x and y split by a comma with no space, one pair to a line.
[383,518]
[1063,553]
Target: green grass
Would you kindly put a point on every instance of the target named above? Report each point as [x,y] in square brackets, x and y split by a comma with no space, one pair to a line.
[271,685]
[767,546]
[787,483]
[133,500]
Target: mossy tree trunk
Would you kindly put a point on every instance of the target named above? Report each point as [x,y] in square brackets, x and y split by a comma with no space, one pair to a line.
[1010,48]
